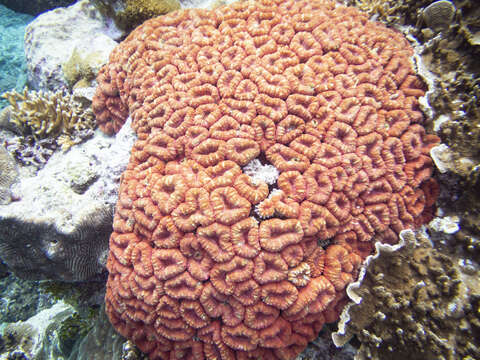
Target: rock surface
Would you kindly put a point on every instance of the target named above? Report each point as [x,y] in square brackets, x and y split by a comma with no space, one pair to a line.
[8,175]
[53,37]
[21,299]
[38,337]
[59,227]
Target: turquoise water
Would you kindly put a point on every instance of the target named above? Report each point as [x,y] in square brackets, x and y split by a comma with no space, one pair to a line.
[12,59]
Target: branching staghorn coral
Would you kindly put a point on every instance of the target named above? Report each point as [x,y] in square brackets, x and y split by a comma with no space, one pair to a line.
[49,115]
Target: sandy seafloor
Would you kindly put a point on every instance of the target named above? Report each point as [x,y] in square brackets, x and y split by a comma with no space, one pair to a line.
[447,59]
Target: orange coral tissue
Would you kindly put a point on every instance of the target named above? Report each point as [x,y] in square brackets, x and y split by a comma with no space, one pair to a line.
[208,259]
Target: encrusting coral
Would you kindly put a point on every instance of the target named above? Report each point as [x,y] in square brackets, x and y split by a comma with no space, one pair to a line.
[413,302]
[81,70]
[49,115]
[128,14]
[392,12]
[208,262]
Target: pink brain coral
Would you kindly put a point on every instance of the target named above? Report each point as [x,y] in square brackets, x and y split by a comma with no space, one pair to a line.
[206,260]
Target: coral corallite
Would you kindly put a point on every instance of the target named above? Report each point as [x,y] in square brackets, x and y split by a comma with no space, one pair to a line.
[209,262]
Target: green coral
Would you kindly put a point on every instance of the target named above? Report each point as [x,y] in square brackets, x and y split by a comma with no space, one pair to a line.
[49,115]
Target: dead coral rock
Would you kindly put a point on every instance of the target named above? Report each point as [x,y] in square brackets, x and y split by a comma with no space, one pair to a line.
[54,36]
[208,261]
[411,302]
[58,227]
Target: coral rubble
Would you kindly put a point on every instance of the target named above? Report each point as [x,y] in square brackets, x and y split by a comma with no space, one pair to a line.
[208,261]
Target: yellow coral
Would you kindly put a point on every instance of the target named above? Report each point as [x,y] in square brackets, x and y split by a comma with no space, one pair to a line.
[80,68]
[135,12]
[48,115]
[383,8]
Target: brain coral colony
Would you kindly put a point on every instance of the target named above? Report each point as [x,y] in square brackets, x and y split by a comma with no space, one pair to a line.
[209,261]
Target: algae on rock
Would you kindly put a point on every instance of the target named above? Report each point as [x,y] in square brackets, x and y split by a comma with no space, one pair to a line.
[79,70]
[37,337]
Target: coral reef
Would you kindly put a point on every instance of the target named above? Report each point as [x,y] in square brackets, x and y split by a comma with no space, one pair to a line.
[446,54]
[128,14]
[49,115]
[8,175]
[451,58]
[392,12]
[59,224]
[412,301]
[208,261]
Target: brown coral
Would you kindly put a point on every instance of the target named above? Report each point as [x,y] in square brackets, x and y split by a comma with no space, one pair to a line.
[210,261]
